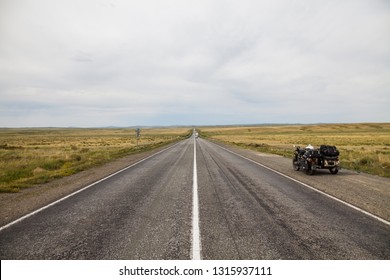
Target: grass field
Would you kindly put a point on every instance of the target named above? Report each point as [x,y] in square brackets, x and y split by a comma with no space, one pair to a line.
[363,147]
[33,156]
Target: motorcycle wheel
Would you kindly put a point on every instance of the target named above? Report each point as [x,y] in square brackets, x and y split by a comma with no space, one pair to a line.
[296,165]
[309,170]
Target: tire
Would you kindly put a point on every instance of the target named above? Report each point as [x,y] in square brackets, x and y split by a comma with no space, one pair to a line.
[334,170]
[296,165]
[309,170]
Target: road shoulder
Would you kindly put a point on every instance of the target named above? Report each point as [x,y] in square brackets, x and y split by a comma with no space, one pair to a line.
[367,192]
[16,205]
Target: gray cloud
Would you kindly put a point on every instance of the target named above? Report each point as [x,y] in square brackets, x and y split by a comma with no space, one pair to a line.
[97,63]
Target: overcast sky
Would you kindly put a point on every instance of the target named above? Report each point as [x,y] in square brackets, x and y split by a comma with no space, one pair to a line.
[95,63]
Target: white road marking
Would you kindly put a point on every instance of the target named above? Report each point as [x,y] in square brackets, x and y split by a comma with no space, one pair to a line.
[83,189]
[195,213]
[310,187]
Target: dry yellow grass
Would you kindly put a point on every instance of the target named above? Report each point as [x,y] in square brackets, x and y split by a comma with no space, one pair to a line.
[31,156]
[364,147]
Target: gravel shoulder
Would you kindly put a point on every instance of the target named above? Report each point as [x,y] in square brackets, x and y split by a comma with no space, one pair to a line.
[16,205]
[368,192]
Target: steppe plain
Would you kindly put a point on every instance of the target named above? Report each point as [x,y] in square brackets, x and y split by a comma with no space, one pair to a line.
[39,166]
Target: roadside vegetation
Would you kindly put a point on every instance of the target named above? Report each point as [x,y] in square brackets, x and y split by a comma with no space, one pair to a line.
[363,147]
[34,156]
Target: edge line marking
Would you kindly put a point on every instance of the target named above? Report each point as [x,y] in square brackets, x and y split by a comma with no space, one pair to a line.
[310,187]
[83,189]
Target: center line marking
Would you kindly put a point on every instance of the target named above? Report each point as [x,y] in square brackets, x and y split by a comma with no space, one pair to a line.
[195,212]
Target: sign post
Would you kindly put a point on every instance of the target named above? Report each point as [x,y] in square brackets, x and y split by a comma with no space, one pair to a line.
[137,134]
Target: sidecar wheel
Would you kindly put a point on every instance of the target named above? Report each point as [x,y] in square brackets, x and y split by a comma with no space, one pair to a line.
[334,170]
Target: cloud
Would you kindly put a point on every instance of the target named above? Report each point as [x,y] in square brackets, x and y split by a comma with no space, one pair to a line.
[95,63]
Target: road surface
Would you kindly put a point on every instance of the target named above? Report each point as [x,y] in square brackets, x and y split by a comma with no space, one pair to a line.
[196,200]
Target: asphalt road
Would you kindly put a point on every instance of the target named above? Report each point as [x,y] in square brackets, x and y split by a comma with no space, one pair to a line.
[244,212]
